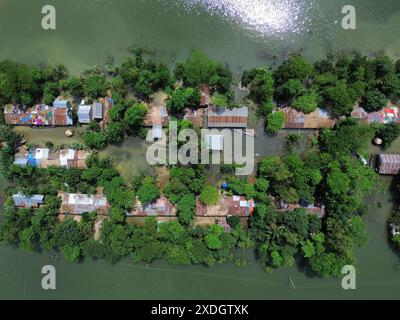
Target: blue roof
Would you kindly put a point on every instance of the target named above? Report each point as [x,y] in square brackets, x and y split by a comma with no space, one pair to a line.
[61,104]
[21,162]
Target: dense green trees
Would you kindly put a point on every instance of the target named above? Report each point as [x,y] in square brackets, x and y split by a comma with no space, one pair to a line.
[260,83]
[374,101]
[306,103]
[148,191]
[388,133]
[73,85]
[27,85]
[145,77]
[134,118]
[95,86]
[209,195]
[275,121]
[198,69]
[332,176]
[183,98]
[94,138]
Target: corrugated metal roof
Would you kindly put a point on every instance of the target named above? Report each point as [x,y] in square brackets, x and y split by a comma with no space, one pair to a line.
[225,118]
[97,110]
[21,161]
[77,204]
[39,115]
[389,164]
[162,207]
[60,104]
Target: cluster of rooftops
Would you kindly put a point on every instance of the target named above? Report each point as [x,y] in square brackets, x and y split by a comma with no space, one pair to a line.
[75,204]
[44,157]
[59,114]
[323,119]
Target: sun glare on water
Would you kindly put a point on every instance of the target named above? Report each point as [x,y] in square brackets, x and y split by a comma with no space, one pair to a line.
[262,16]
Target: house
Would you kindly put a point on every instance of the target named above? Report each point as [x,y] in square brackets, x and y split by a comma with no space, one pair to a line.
[313,209]
[227,118]
[298,120]
[205,98]
[97,111]
[215,142]
[195,116]
[360,114]
[85,114]
[227,206]
[108,103]
[162,207]
[157,115]
[389,164]
[71,158]
[61,104]
[388,114]
[21,162]
[38,115]
[44,158]
[77,204]
[23,201]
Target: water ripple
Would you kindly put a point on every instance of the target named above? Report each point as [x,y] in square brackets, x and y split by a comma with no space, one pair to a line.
[266,17]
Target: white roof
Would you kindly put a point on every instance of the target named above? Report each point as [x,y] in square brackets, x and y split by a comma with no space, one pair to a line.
[80,199]
[215,142]
[66,155]
[41,153]
[84,109]
[244,204]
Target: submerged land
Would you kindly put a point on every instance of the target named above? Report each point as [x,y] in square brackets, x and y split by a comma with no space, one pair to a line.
[68,191]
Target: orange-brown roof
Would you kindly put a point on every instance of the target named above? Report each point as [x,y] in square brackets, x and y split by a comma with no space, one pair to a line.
[298,120]
[157,115]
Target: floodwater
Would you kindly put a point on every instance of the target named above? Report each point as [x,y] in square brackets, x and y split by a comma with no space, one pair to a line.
[243,36]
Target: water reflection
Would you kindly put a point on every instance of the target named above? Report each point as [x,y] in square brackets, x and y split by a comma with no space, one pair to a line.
[266,17]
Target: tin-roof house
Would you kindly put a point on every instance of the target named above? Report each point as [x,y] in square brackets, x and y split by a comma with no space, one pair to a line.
[389,164]
[39,115]
[162,207]
[108,104]
[44,158]
[36,156]
[311,208]
[315,120]
[97,111]
[227,118]
[71,158]
[23,201]
[227,206]
[85,114]
[157,115]
[61,104]
[195,116]
[77,204]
